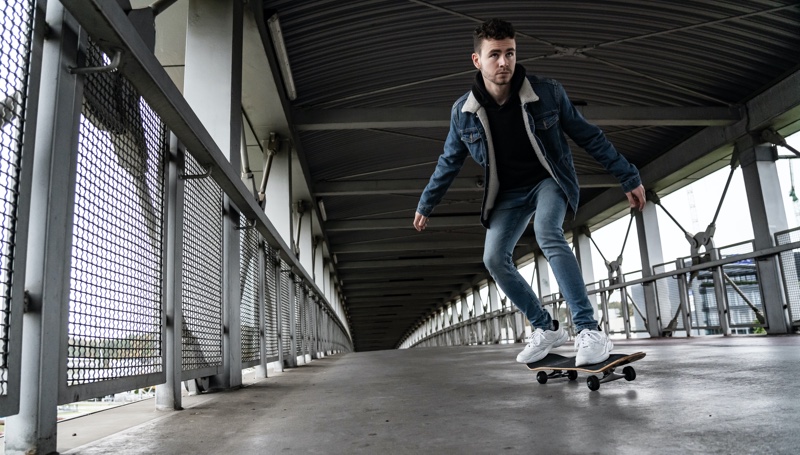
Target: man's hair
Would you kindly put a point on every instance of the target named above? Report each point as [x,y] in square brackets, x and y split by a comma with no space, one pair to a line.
[495,29]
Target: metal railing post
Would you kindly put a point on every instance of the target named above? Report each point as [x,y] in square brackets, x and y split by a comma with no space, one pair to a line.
[47,273]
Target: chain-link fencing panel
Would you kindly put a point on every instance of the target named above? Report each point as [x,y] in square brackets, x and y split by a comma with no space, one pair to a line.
[201,283]
[116,278]
[16,21]
[249,276]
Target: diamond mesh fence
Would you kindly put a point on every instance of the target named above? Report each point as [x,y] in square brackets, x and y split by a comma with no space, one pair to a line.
[16,22]
[201,292]
[790,270]
[116,278]
[248,289]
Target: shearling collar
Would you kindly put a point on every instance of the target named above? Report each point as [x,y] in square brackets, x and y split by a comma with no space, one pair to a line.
[526,95]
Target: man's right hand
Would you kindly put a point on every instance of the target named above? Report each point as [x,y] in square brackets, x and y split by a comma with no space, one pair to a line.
[420,221]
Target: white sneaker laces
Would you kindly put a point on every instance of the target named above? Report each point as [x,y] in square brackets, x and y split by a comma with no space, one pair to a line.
[587,337]
[535,338]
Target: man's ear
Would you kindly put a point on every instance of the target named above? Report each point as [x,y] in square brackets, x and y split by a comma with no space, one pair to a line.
[476,60]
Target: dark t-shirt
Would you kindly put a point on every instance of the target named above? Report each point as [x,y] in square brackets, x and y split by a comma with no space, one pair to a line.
[517,164]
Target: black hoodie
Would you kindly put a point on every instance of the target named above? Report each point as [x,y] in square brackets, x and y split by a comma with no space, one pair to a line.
[517,165]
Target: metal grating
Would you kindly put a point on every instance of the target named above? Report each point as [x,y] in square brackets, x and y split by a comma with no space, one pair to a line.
[115,307]
[202,271]
[271,303]
[248,289]
[16,21]
[790,265]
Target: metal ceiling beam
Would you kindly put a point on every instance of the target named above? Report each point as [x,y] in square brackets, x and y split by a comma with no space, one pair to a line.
[415,186]
[400,223]
[450,270]
[411,262]
[392,291]
[777,108]
[408,284]
[422,245]
[437,117]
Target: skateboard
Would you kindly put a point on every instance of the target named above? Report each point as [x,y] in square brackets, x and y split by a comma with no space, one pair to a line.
[565,367]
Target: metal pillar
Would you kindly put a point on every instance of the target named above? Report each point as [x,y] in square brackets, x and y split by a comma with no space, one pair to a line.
[276,269]
[650,253]
[261,368]
[764,198]
[291,362]
[477,303]
[168,395]
[583,253]
[213,88]
[47,271]
[494,308]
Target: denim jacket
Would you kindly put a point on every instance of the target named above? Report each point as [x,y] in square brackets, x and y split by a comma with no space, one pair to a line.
[548,114]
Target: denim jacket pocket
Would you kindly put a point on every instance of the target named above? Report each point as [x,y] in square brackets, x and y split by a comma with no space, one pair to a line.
[473,138]
[470,135]
[546,121]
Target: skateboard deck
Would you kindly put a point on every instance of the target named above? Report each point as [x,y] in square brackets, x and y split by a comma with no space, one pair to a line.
[561,366]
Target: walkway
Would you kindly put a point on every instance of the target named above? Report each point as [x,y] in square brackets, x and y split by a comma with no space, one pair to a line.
[704,395]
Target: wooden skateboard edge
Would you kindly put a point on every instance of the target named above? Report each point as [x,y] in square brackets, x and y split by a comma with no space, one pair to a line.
[630,358]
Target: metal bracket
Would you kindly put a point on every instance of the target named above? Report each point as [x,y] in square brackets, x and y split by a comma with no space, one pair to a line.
[115,60]
[249,225]
[207,173]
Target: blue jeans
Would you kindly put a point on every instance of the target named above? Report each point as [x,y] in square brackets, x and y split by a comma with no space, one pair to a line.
[547,204]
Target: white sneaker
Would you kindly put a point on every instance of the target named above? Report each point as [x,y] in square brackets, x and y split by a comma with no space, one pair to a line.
[540,342]
[593,346]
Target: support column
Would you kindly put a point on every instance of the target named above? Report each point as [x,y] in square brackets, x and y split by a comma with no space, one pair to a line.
[477,304]
[279,277]
[168,395]
[583,253]
[768,216]
[651,254]
[494,308]
[47,271]
[261,368]
[213,88]
[291,362]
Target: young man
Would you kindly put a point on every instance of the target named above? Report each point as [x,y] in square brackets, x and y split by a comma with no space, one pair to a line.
[514,125]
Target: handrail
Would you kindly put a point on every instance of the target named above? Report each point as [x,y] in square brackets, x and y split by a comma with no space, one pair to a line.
[766,252]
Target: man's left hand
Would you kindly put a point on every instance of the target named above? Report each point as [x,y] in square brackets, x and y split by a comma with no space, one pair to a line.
[636,198]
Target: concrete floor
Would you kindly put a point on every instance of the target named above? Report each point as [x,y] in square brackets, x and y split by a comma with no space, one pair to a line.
[703,395]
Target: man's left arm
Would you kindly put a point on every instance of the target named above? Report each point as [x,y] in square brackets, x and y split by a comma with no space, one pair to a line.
[592,139]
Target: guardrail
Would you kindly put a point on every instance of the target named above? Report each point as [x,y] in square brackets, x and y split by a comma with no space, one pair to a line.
[713,293]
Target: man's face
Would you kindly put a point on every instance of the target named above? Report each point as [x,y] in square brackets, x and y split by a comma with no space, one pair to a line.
[496,60]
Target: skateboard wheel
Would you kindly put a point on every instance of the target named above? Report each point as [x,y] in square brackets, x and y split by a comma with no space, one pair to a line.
[541,377]
[593,383]
[630,373]
[572,375]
